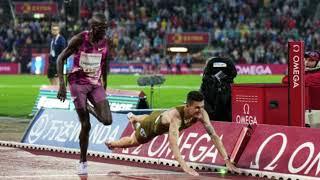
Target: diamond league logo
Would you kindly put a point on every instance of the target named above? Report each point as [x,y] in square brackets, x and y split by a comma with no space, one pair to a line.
[38,128]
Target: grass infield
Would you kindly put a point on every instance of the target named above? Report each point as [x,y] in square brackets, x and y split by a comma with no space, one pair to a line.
[18,92]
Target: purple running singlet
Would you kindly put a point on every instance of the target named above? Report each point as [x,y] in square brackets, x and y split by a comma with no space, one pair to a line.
[85,77]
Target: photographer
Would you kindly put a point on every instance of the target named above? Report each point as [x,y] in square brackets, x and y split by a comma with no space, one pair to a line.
[217,78]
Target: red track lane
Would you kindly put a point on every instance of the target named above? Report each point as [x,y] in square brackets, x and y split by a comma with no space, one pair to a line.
[16,163]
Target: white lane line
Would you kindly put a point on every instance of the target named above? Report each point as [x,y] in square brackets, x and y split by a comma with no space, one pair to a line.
[118,86]
[105,174]
[161,87]
[20,86]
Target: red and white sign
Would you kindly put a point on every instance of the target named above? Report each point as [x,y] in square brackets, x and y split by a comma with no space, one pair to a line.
[36,7]
[260,104]
[9,68]
[188,38]
[283,149]
[277,149]
[195,144]
[296,84]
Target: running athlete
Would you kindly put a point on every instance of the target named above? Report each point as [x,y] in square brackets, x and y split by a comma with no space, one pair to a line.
[90,49]
[172,121]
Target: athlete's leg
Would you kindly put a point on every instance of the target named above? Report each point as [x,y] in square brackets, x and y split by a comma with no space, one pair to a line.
[101,109]
[124,142]
[136,118]
[84,133]
[79,95]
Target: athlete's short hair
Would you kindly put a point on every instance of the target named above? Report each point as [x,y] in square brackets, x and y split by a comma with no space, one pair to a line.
[98,18]
[194,96]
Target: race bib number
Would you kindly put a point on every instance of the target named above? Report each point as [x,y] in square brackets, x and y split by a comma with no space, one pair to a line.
[90,62]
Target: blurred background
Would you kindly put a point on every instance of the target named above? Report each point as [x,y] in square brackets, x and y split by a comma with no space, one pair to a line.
[166,37]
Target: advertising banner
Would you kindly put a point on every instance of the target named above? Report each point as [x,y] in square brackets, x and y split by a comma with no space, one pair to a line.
[242,69]
[296,83]
[261,69]
[61,128]
[127,68]
[39,63]
[195,144]
[283,149]
[36,7]
[188,38]
[278,149]
[9,68]
[269,148]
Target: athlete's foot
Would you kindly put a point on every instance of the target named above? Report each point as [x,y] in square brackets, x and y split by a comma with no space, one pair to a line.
[131,119]
[83,168]
[108,144]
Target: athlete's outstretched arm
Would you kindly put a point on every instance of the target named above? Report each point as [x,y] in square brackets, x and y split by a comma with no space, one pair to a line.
[73,46]
[173,142]
[217,142]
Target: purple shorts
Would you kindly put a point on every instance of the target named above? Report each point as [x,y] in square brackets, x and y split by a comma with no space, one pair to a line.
[81,92]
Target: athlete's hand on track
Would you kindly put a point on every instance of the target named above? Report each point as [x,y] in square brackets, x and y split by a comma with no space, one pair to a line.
[190,171]
[231,167]
[62,93]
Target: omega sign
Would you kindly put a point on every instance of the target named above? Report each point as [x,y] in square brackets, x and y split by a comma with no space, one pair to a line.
[296,66]
[246,118]
[295,163]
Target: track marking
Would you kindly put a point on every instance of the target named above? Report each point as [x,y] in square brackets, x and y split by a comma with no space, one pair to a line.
[160,87]
[104,174]
[20,86]
[119,86]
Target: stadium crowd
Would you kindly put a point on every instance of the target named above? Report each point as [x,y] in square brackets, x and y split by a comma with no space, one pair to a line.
[250,31]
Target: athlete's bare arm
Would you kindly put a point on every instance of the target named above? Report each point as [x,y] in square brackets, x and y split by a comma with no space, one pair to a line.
[217,141]
[104,69]
[106,66]
[72,47]
[104,74]
[175,122]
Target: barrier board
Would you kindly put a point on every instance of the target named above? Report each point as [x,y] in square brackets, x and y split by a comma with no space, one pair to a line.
[61,128]
[282,150]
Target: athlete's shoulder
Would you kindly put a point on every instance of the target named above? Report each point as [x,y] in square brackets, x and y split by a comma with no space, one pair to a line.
[175,112]
[77,39]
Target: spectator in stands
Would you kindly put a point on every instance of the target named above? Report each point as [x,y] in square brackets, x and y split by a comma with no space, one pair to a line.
[178,62]
[168,62]
[24,55]
[189,61]
[251,31]
[57,44]
[312,69]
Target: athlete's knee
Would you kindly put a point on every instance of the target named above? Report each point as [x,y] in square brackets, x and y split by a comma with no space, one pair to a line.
[106,119]
[85,127]
[133,142]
